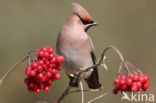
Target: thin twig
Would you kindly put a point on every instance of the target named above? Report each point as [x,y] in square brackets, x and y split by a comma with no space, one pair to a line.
[64,94]
[82,93]
[95,99]
[119,70]
[75,91]
[11,69]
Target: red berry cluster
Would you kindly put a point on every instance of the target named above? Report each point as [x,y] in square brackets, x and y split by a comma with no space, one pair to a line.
[43,71]
[134,83]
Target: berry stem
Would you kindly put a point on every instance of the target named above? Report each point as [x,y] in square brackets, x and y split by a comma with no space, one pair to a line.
[13,68]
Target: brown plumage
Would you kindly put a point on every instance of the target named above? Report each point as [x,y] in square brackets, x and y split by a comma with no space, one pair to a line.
[76,46]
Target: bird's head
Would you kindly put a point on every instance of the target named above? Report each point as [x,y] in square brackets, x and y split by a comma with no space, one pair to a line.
[82,17]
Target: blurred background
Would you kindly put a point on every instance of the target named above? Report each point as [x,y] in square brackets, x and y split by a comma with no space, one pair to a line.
[25,25]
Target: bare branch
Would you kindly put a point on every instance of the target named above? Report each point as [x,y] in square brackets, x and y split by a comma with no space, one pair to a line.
[11,69]
[64,94]
[82,93]
[75,91]
[95,99]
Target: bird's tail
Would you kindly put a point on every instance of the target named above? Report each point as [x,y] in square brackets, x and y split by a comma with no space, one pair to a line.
[93,80]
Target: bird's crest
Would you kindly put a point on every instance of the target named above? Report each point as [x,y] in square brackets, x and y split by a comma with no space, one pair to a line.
[79,10]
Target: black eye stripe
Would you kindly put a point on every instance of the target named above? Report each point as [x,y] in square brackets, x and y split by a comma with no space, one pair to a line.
[84,22]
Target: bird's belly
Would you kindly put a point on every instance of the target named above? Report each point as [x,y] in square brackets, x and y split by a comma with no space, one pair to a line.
[74,61]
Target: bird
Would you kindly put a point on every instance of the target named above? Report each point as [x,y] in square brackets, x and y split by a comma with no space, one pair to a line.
[76,46]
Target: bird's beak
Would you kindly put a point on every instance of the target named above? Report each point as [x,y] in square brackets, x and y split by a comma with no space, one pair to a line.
[90,25]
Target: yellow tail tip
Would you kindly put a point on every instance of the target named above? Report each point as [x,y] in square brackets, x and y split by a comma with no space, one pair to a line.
[71,75]
[97,89]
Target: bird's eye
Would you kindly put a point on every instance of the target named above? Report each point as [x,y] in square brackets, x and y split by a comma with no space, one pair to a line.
[85,22]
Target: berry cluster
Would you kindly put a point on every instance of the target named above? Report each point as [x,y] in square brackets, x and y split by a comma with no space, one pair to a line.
[43,70]
[134,83]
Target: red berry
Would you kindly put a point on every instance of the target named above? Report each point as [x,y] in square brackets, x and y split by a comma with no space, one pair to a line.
[57,76]
[45,67]
[40,62]
[122,82]
[46,89]
[58,59]
[27,68]
[32,73]
[26,80]
[146,85]
[138,84]
[40,76]
[40,85]
[49,82]
[129,81]
[44,49]
[30,89]
[46,54]
[34,65]
[53,71]
[51,56]
[44,60]
[116,81]
[146,78]
[39,68]
[123,87]
[134,88]
[31,85]
[139,89]
[141,79]
[59,68]
[135,77]
[122,77]
[118,86]
[40,54]
[62,58]
[38,91]
[53,60]
[48,74]
[115,91]
[50,50]
[28,73]
[47,63]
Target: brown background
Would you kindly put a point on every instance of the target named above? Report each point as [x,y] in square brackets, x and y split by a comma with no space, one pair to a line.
[130,25]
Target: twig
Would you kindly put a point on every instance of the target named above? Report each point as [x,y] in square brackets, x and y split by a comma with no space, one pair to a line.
[11,69]
[64,94]
[74,91]
[119,70]
[82,93]
[95,99]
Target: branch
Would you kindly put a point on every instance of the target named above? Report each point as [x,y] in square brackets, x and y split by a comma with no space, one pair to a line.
[82,93]
[13,68]
[64,94]
[95,99]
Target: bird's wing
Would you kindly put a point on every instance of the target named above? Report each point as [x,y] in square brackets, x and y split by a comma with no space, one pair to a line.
[93,80]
